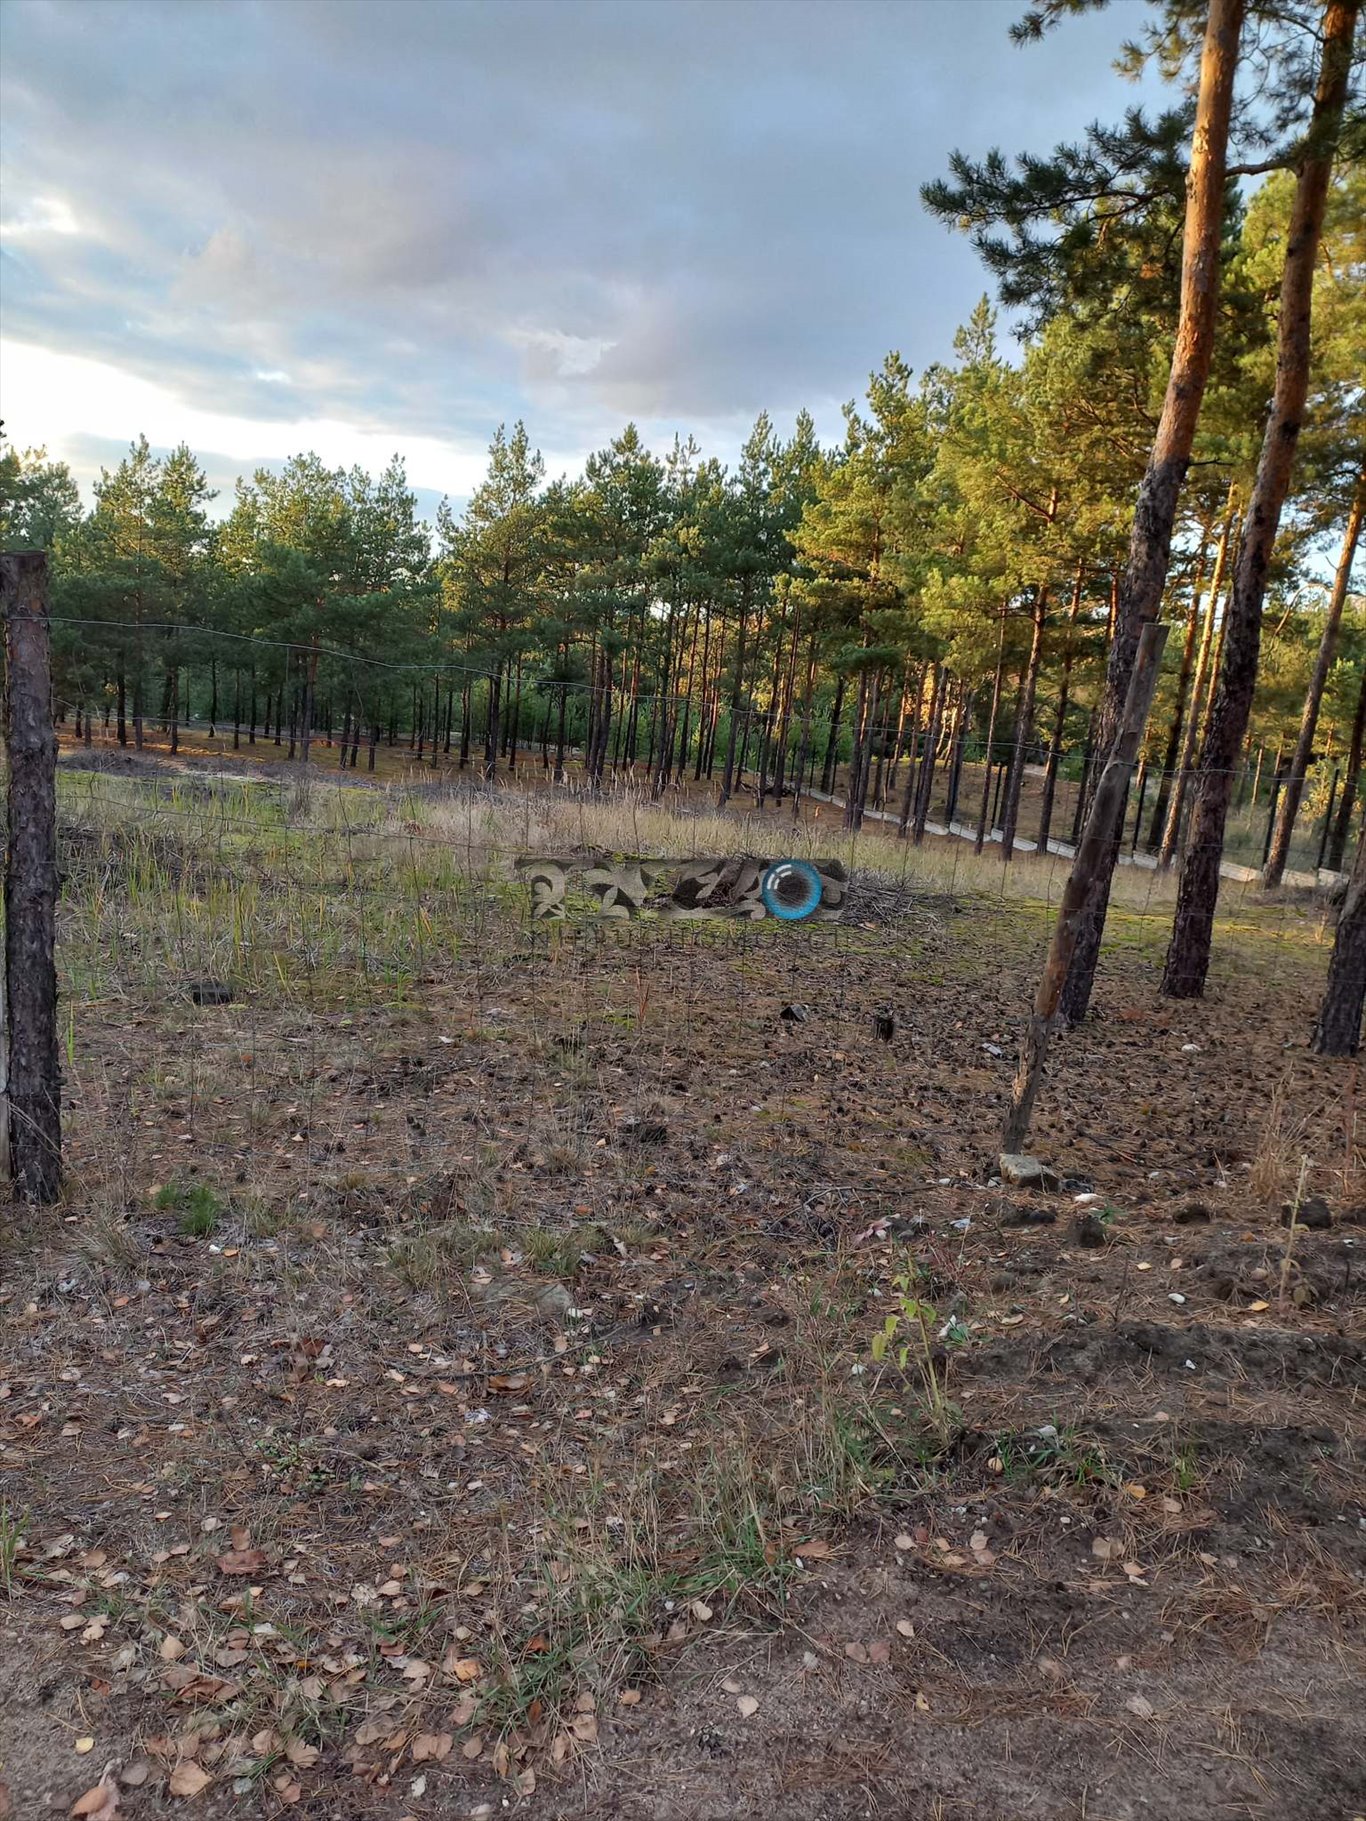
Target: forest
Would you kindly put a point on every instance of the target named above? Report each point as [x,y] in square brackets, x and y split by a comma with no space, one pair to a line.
[940,587]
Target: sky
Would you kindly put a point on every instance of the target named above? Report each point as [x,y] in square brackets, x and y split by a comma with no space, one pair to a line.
[278,225]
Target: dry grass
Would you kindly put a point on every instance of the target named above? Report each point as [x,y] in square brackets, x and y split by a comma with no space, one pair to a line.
[490,1377]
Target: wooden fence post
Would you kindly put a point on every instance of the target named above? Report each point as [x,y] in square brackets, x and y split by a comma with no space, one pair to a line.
[33,1080]
[1104,827]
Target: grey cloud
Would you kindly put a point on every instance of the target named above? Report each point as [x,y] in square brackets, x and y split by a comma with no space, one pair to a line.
[429,217]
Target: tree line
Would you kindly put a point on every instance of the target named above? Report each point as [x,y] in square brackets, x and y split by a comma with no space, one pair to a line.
[952,592]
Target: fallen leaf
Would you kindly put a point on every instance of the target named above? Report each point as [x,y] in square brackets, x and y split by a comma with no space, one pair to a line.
[629,1697]
[1107,1549]
[99,1803]
[1140,1705]
[814,1549]
[171,1649]
[242,1561]
[189,1779]
[301,1754]
[84,1745]
[700,1611]
[525,1783]
[905,1627]
[730,1686]
[134,1775]
[584,1727]
[747,1705]
[432,1745]
[857,1653]
[472,1747]
[879,1651]
[905,1541]
[464,1669]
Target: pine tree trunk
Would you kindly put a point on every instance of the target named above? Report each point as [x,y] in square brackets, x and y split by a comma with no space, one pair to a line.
[832,738]
[925,779]
[852,815]
[983,817]
[960,740]
[1088,760]
[515,729]
[1198,891]
[1342,820]
[799,771]
[560,735]
[1050,775]
[1202,692]
[1338,1029]
[603,724]
[736,695]
[493,729]
[1024,725]
[1155,513]
[1304,746]
[310,683]
[1183,680]
[916,693]
[1106,811]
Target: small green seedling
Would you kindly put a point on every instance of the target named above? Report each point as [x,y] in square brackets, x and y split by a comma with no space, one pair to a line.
[907,1337]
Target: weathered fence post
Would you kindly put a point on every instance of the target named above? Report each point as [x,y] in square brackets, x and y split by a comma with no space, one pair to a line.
[32,1079]
[1103,828]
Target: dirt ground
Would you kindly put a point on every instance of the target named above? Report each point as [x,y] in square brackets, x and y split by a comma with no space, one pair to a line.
[461,1399]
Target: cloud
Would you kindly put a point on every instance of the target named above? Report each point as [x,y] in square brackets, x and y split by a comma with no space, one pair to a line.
[409,222]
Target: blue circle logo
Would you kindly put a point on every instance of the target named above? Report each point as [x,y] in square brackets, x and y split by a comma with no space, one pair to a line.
[791,890]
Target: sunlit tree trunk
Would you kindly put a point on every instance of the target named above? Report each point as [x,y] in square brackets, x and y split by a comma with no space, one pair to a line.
[1155,513]
[1183,681]
[1198,891]
[1289,805]
[984,816]
[1024,724]
[1201,690]
[1050,775]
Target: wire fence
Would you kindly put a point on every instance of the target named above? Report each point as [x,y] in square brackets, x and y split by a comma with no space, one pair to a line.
[233,924]
[320,705]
